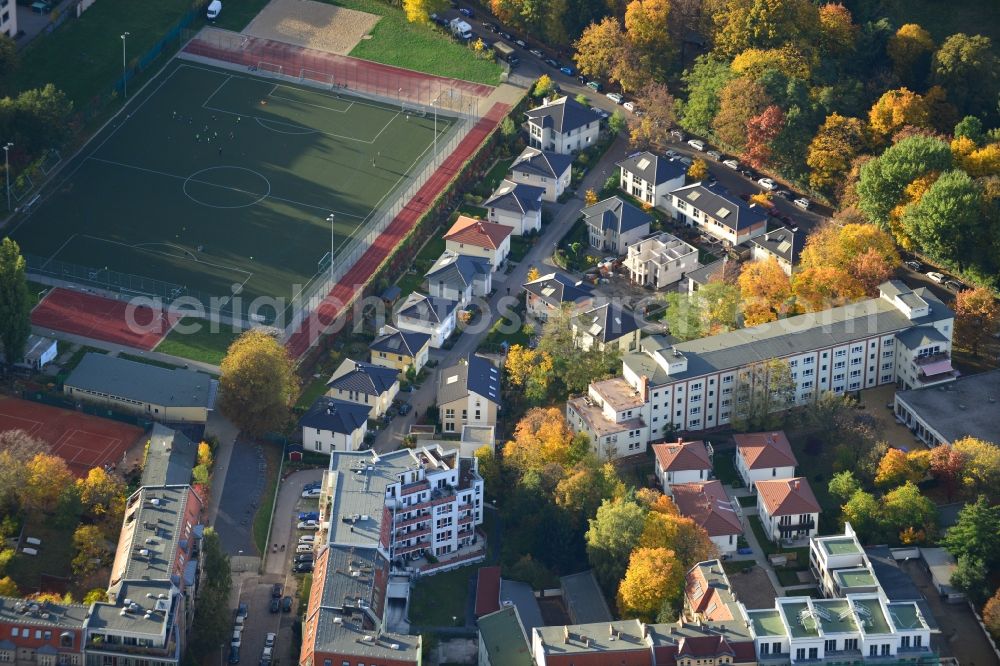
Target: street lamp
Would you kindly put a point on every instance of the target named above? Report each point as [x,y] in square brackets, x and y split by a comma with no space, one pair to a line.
[124,68]
[330,218]
[6,168]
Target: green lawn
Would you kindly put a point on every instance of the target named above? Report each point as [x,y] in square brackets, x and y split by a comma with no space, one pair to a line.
[54,558]
[471,211]
[787,576]
[724,469]
[311,391]
[435,600]
[83,58]
[262,520]
[497,173]
[422,47]
[201,345]
[413,280]
[758,531]
[500,333]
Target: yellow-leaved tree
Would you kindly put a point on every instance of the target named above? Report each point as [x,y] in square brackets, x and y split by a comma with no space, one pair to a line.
[689,541]
[542,436]
[698,171]
[654,578]
[896,109]
[529,369]
[766,291]
[257,383]
[838,141]
[419,11]
[976,318]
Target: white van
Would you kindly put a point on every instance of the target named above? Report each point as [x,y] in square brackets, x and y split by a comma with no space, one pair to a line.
[214,9]
[33,541]
[29,551]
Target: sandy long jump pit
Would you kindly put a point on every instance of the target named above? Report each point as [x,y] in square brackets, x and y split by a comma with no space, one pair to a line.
[315,25]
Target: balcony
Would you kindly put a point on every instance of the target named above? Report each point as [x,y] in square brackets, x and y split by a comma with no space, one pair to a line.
[412,534]
[403,550]
[422,518]
[802,525]
[466,520]
[934,369]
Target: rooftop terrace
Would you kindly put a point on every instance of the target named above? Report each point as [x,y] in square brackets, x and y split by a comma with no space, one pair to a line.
[766,622]
[840,546]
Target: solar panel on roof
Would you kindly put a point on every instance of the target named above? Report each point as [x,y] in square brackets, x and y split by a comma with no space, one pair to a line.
[548,291]
[722,212]
[693,195]
[784,246]
[643,163]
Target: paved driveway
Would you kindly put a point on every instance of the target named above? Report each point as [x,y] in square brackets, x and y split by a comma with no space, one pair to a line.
[246,476]
[286,511]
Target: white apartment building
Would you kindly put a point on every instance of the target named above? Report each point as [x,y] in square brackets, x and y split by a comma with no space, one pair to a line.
[8,18]
[650,178]
[693,385]
[612,416]
[660,260]
[563,126]
[407,504]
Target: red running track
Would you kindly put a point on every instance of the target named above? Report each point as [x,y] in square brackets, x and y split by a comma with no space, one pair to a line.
[362,75]
[344,292]
[102,318]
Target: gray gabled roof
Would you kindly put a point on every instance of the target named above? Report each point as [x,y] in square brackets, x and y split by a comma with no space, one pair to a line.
[366,378]
[556,288]
[458,269]
[541,163]
[170,457]
[782,243]
[562,115]
[920,336]
[721,205]
[151,384]
[398,342]
[607,322]
[474,374]
[616,213]
[338,416]
[708,272]
[426,308]
[653,168]
[515,197]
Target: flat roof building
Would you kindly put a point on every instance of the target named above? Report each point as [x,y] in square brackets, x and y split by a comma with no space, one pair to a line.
[967,407]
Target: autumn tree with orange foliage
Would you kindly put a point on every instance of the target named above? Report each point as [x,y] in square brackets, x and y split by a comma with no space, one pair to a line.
[762,130]
[897,467]
[838,35]
[542,436]
[991,615]
[688,540]
[645,28]
[766,291]
[837,142]
[530,370]
[821,288]
[976,318]
[739,100]
[910,50]
[652,128]
[46,479]
[862,253]
[946,465]
[896,109]
[654,577]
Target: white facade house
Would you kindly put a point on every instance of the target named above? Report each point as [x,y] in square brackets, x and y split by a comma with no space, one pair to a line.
[660,260]
[611,414]
[366,384]
[539,168]
[38,352]
[713,210]
[783,245]
[437,317]
[682,462]
[787,508]
[517,206]
[334,425]
[548,293]
[708,505]
[606,327]
[563,126]
[478,238]
[8,18]
[651,178]
[614,224]
[694,385]
[458,277]
[763,456]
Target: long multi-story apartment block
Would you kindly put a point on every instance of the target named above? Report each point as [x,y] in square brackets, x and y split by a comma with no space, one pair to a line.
[901,337]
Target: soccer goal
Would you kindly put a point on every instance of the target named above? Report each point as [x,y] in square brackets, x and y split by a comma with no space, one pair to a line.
[269,68]
[314,76]
[412,109]
[51,161]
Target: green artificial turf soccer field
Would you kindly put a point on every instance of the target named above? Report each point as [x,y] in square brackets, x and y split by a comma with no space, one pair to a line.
[213,178]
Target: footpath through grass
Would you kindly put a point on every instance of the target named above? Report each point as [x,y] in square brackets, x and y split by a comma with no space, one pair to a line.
[203,345]
[421,47]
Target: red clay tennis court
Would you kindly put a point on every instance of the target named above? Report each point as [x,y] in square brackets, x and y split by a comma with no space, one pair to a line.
[102,318]
[83,441]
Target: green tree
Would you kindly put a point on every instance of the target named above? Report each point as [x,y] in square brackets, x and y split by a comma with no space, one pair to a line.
[763,391]
[971,127]
[969,70]
[507,128]
[91,550]
[976,534]
[212,615]
[491,471]
[904,507]
[971,576]
[843,485]
[863,512]
[257,383]
[704,81]
[946,221]
[15,304]
[8,63]
[884,179]
[614,532]
[95,595]
[683,316]
[720,305]
[572,366]
[617,123]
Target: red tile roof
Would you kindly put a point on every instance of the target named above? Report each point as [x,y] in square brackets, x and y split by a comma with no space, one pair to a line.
[682,456]
[480,233]
[708,505]
[765,449]
[488,591]
[787,497]
[703,646]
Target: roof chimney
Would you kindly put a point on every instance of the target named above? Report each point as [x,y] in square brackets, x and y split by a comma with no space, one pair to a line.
[611,630]
[795,484]
[680,440]
[565,634]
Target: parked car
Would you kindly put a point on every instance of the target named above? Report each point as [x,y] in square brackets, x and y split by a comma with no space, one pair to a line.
[304,548]
[802,203]
[935,276]
[269,639]
[307,538]
[954,284]
[914,265]
[568,71]
[311,493]
[275,606]
[696,144]
[615,97]
[732,164]
[234,655]
[237,639]
[784,194]
[552,63]
[405,408]
[715,155]
[240,621]
[746,173]
[304,557]
[276,591]
[286,605]
[308,525]
[266,655]
[309,515]
[506,35]
[466,12]
[595,85]
[303,567]
[672,154]
[766,183]
[312,484]
[536,53]
[489,26]
[520,42]
[629,106]
[677,135]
